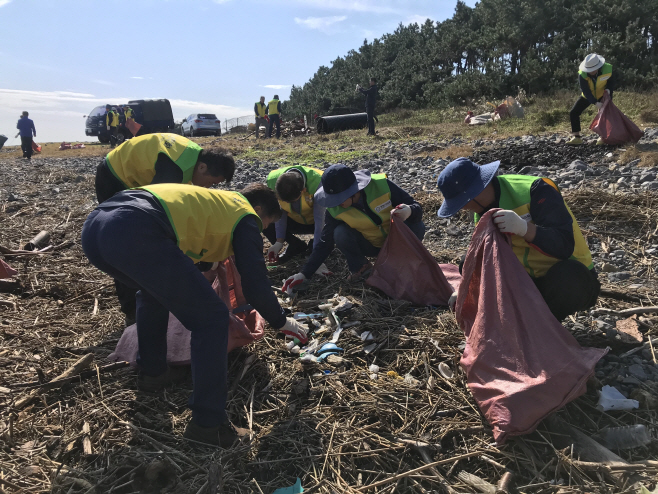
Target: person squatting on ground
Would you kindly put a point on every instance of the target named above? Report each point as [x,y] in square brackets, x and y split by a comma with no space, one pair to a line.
[545,235]
[371,99]
[295,187]
[274,113]
[261,109]
[358,219]
[26,130]
[595,78]
[151,238]
[112,123]
[156,159]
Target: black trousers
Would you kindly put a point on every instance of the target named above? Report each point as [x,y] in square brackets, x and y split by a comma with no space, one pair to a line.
[568,287]
[114,132]
[107,185]
[274,120]
[26,146]
[295,244]
[371,121]
[578,108]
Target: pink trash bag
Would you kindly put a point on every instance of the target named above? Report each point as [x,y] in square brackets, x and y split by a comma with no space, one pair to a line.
[405,270]
[244,327]
[521,364]
[613,126]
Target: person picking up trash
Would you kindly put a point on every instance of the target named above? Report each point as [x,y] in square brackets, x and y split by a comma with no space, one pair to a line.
[595,78]
[359,208]
[154,159]
[544,234]
[150,238]
[295,187]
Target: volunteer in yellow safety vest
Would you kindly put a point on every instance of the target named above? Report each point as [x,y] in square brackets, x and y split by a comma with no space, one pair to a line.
[152,238]
[359,208]
[595,78]
[112,123]
[295,187]
[260,109]
[545,235]
[274,113]
[154,159]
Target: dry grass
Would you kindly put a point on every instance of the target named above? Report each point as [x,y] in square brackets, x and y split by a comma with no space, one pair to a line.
[646,153]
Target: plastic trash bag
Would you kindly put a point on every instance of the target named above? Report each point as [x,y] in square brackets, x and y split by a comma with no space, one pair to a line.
[405,270]
[35,147]
[133,126]
[613,126]
[521,364]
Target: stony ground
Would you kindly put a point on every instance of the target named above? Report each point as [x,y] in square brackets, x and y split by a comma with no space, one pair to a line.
[332,425]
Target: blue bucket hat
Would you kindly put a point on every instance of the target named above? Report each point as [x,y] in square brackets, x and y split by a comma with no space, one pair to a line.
[338,184]
[461,182]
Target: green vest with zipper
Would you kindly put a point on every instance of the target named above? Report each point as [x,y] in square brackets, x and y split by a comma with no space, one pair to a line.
[203,219]
[133,163]
[378,199]
[273,107]
[261,109]
[312,179]
[515,196]
[597,85]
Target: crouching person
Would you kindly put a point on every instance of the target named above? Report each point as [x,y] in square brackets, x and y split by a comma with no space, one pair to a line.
[359,208]
[545,235]
[150,239]
[295,187]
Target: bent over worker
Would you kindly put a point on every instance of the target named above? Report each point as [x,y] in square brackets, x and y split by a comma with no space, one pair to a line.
[595,78]
[155,159]
[358,219]
[294,187]
[151,238]
[545,235]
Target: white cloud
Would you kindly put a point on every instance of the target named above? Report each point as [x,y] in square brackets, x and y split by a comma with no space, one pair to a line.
[4,2]
[137,77]
[323,24]
[276,86]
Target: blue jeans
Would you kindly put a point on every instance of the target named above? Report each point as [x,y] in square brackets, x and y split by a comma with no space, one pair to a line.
[133,247]
[356,248]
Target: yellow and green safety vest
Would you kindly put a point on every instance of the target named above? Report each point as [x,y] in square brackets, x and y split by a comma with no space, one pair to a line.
[273,107]
[598,84]
[112,119]
[203,219]
[261,109]
[515,195]
[378,199]
[128,113]
[312,179]
[133,163]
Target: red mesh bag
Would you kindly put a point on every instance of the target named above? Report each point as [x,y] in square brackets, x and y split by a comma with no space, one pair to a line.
[613,126]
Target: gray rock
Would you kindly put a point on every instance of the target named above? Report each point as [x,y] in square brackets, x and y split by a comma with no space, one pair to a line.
[620,276]
[606,267]
[637,371]
[603,325]
[578,165]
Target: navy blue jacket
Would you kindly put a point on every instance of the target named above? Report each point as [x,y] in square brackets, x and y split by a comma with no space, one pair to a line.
[26,127]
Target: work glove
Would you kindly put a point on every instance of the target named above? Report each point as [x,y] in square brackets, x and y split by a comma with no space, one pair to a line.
[292,282]
[607,91]
[511,223]
[323,270]
[599,105]
[295,330]
[401,211]
[452,301]
[273,251]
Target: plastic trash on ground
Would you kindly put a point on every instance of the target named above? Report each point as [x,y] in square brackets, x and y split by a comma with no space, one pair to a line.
[628,437]
[613,126]
[610,398]
[293,489]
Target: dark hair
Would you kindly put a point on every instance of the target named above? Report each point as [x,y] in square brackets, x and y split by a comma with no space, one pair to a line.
[373,80]
[261,195]
[219,162]
[276,96]
[25,114]
[289,186]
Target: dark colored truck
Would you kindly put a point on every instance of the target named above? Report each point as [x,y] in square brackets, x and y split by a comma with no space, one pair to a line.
[154,115]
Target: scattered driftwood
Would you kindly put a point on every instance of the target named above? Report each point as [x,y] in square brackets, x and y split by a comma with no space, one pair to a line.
[625,312]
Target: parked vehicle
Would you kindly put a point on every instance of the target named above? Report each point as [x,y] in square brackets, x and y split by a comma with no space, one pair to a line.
[154,115]
[199,124]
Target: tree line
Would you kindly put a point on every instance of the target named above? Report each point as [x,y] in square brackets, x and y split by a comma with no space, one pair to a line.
[492,50]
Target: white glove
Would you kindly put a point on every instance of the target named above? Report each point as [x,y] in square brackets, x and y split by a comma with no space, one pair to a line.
[402,211]
[273,251]
[295,330]
[607,91]
[509,222]
[452,301]
[214,266]
[292,282]
[323,270]
[599,105]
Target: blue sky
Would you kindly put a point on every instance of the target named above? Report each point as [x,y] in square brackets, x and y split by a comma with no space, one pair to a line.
[59,59]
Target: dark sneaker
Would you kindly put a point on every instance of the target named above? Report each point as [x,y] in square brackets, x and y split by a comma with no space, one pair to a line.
[154,384]
[224,435]
[361,274]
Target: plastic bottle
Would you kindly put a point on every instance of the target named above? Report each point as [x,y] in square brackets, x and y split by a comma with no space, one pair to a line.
[632,436]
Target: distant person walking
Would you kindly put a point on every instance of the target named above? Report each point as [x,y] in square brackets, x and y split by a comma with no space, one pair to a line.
[260,109]
[371,98]
[26,130]
[112,122]
[274,112]
[595,78]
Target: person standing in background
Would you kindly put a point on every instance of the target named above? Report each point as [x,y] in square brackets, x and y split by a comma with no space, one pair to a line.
[274,111]
[112,122]
[26,130]
[260,110]
[371,98]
